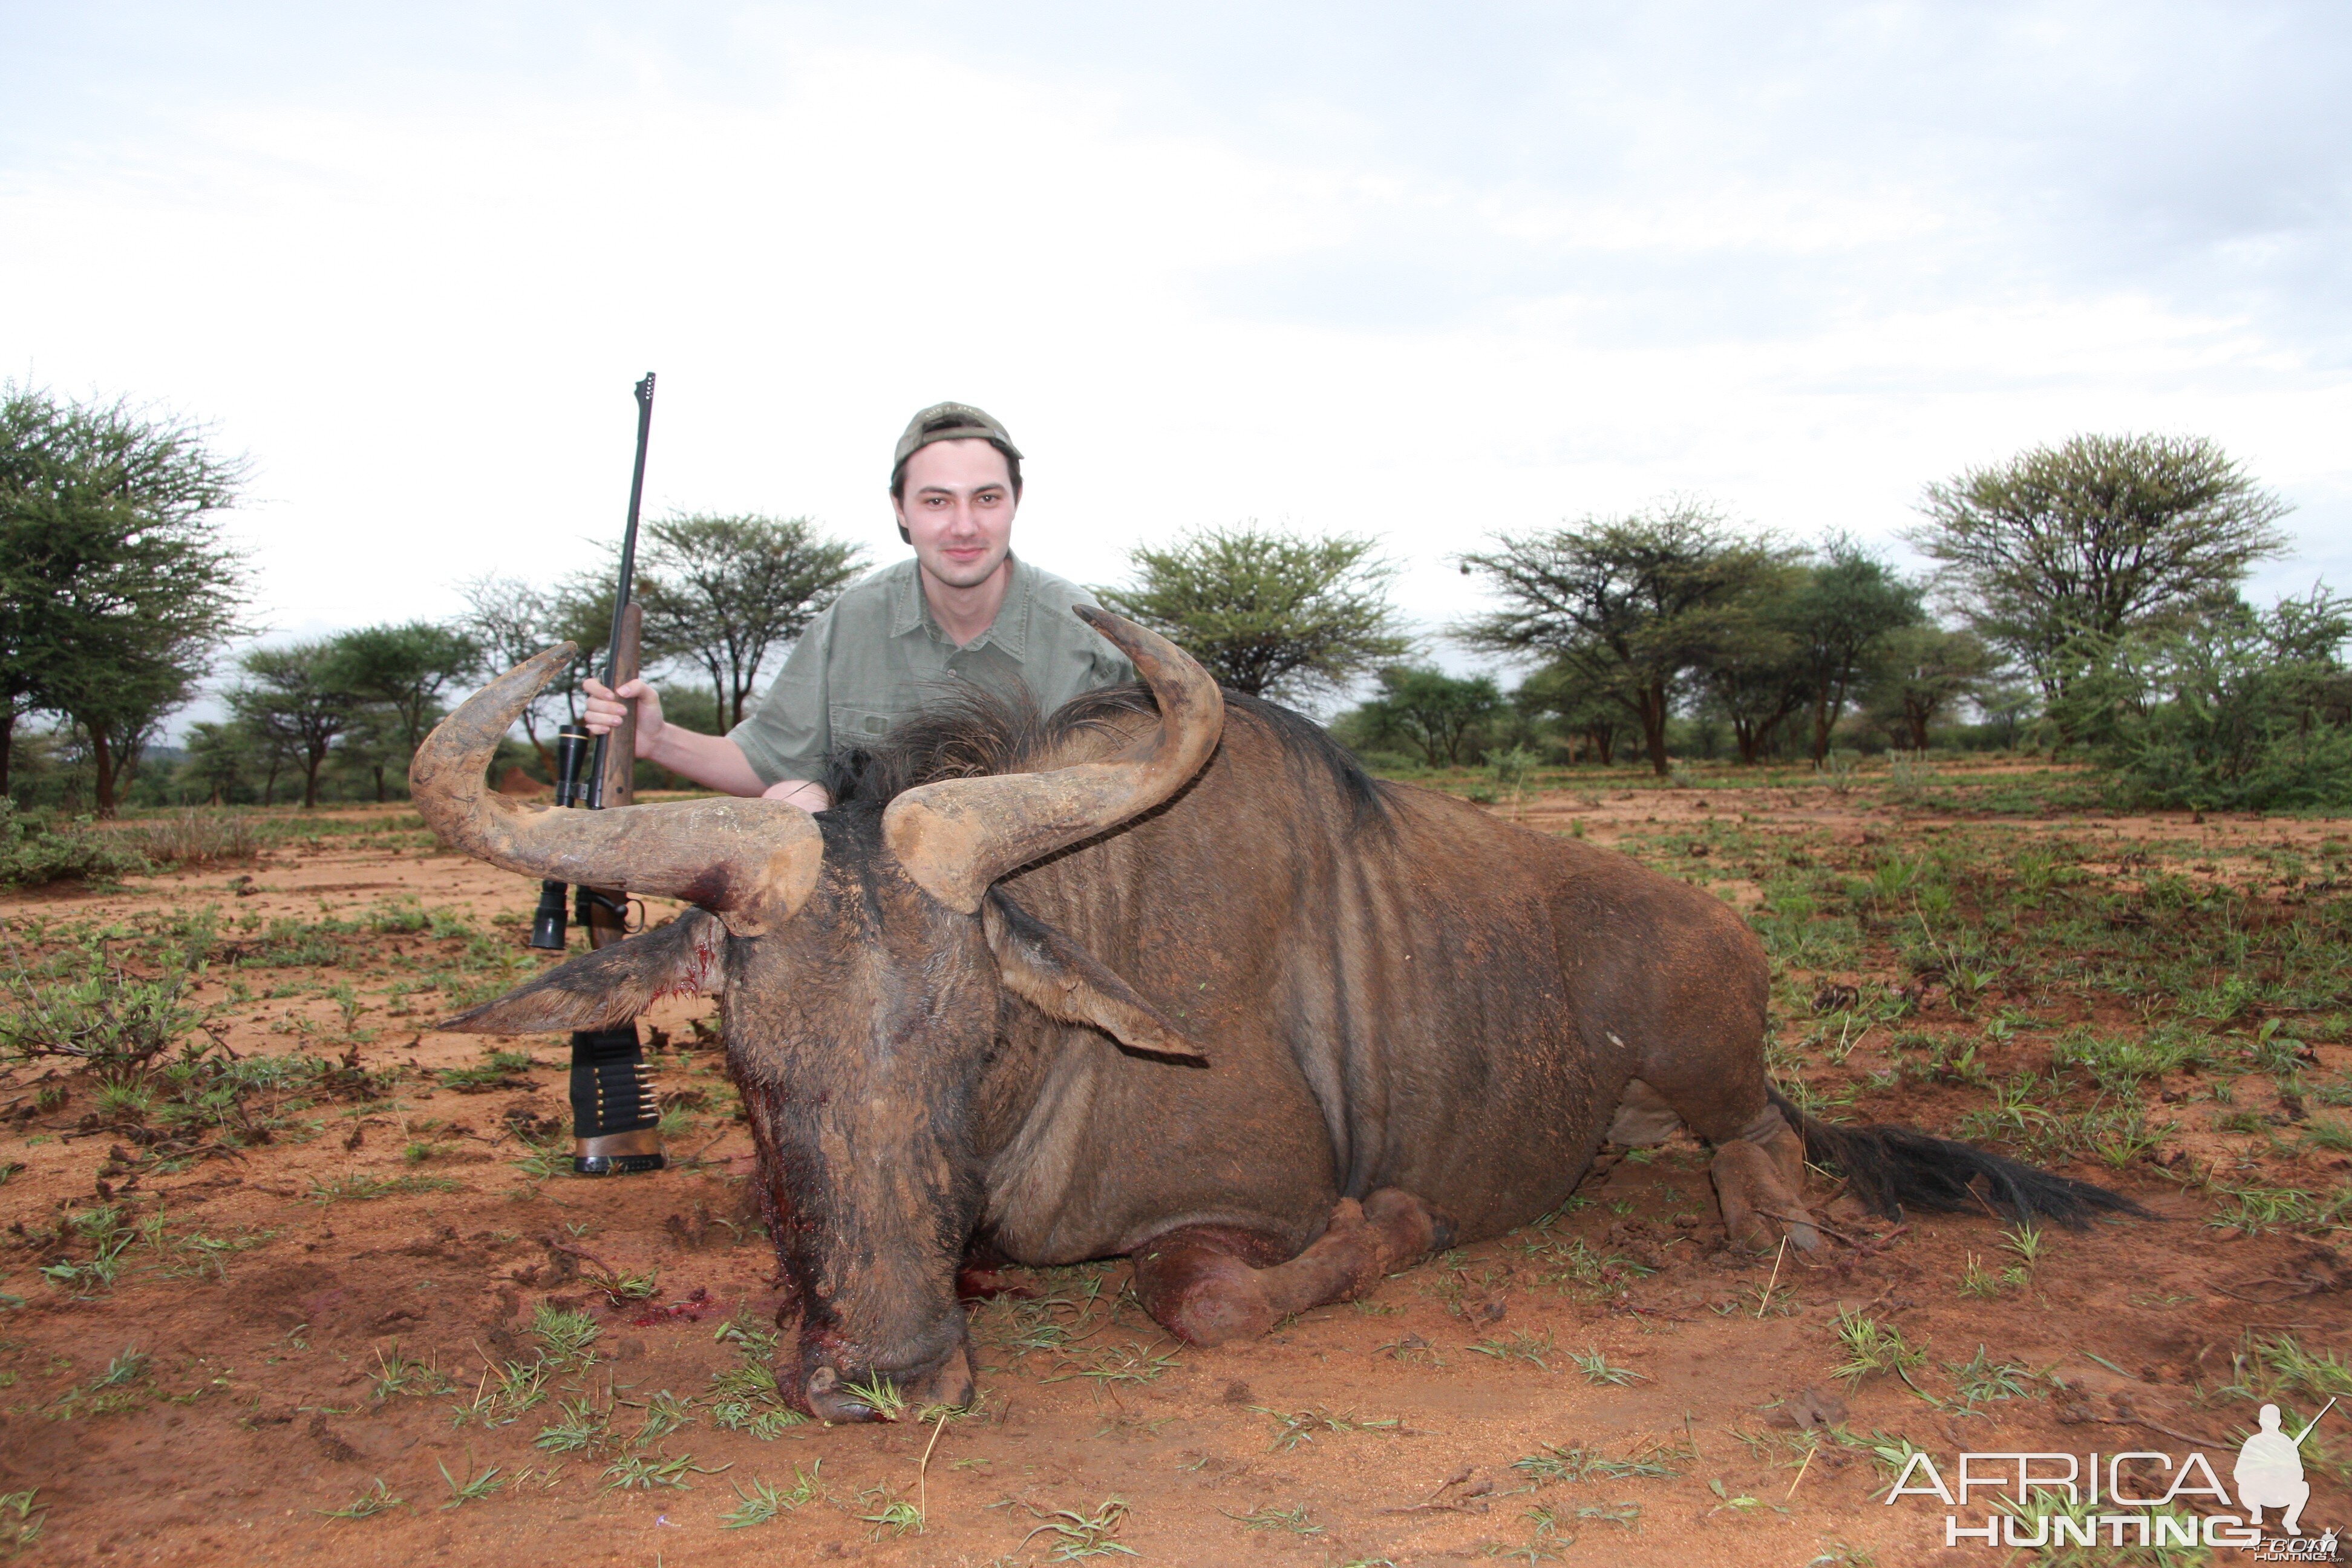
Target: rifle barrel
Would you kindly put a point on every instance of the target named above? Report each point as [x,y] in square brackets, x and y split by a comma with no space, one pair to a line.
[644,392]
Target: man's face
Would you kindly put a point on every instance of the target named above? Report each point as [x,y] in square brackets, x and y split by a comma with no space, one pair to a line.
[957,509]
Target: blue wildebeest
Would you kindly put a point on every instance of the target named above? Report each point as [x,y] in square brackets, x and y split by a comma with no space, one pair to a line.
[1166,974]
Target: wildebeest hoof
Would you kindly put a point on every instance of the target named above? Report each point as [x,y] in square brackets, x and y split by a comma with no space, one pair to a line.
[1224,1301]
[1758,1207]
[1409,1228]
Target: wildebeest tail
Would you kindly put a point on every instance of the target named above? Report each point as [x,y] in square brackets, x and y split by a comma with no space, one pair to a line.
[1889,1167]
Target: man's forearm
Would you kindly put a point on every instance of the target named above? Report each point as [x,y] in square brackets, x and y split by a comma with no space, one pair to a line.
[712,760]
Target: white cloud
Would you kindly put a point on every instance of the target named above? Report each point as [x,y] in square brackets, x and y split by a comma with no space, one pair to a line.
[1793,275]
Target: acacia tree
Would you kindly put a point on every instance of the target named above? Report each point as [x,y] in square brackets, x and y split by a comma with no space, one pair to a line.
[1637,603]
[725,592]
[1920,671]
[1438,713]
[511,620]
[2069,547]
[219,759]
[1591,717]
[1270,613]
[293,695]
[115,584]
[404,668]
[1754,676]
[1838,612]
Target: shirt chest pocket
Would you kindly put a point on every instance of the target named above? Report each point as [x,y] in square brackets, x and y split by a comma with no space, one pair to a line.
[859,726]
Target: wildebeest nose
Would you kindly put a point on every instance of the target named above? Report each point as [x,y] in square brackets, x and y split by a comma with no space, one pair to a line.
[943,1379]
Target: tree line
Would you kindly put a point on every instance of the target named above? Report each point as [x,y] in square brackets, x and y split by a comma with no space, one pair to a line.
[120,594]
[721,595]
[2087,592]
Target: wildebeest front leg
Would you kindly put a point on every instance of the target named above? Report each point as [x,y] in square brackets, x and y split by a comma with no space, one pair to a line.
[1209,1284]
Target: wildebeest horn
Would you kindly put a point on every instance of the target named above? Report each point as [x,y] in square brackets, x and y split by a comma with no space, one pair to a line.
[956,838]
[750,862]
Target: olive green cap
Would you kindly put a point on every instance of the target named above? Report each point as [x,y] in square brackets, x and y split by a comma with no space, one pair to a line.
[950,422]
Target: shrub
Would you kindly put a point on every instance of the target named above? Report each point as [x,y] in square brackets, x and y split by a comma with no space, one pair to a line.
[33,850]
[2247,709]
[113,1023]
[198,838]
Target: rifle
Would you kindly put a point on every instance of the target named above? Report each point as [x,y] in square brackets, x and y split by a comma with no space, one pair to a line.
[610,771]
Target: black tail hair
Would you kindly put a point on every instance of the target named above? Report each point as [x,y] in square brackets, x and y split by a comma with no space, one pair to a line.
[1888,1167]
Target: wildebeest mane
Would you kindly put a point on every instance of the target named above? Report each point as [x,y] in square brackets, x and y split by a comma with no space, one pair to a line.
[968,731]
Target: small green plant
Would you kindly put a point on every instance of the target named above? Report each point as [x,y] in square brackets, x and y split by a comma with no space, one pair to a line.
[397,1376]
[1981,1380]
[545,1161]
[122,1388]
[109,1237]
[579,1427]
[1983,1283]
[498,1069]
[622,1289]
[129,1102]
[2255,1209]
[1111,1364]
[1523,1345]
[1743,1504]
[1294,1427]
[1597,1370]
[504,1392]
[21,1520]
[1872,1346]
[892,1514]
[1557,1463]
[485,1485]
[1294,1519]
[1543,1535]
[564,1337]
[358,1187]
[664,1414]
[2277,1366]
[879,1394]
[1079,1535]
[1894,1456]
[745,1399]
[765,1500]
[642,1473]
[378,1499]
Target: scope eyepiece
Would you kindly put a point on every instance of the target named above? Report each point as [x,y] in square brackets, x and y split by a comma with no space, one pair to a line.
[548,930]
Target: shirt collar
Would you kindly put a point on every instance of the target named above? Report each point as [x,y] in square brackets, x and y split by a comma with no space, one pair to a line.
[909,611]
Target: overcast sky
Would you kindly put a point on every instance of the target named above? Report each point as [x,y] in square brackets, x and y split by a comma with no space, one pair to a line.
[1419,271]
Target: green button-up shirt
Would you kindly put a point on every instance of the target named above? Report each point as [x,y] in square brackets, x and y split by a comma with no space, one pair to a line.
[876,656]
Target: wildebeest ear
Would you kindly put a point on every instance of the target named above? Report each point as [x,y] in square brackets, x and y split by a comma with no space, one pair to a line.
[1064,981]
[606,988]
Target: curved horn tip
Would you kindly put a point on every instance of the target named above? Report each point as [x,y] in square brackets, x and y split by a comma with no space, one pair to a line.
[1116,629]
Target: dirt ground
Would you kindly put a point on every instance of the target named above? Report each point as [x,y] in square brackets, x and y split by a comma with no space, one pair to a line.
[323,1289]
